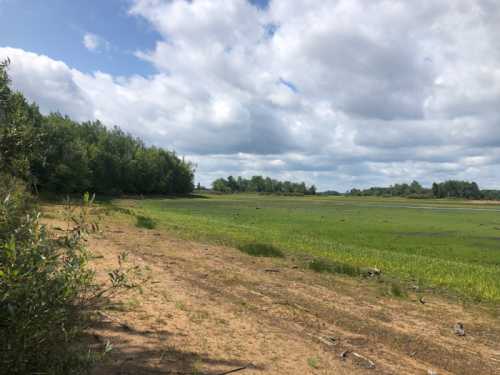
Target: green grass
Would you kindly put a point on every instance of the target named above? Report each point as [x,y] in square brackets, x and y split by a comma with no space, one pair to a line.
[445,244]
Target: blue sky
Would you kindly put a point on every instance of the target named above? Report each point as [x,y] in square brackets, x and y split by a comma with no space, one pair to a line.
[339,93]
[56,28]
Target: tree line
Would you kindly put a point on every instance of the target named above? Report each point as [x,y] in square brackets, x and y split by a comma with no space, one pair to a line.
[57,154]
[260,184]
[446,189]
[414,189]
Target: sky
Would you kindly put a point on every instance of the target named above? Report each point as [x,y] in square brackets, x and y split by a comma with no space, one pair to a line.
[339,93]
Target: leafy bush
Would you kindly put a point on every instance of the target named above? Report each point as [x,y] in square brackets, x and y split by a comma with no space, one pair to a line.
[47,291]
[43,284]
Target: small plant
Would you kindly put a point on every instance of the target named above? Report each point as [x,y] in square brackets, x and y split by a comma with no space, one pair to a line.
[262,250]
[197,367]
[145,222]
[181,306]
[313,362]
[322,265]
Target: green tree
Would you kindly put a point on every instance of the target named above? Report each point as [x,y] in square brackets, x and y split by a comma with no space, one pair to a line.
[20,125]
[55,153]
[221,185]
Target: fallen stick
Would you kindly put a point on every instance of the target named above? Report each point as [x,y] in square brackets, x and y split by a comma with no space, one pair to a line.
[369,363]
[234,370]
[330,341]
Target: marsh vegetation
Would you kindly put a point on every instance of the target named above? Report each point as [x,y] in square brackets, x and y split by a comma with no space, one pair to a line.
[446,245]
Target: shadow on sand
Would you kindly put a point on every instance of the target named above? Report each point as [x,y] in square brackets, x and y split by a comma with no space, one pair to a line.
[137,352]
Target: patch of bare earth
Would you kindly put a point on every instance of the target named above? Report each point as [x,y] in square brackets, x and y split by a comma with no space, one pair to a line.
[211,310]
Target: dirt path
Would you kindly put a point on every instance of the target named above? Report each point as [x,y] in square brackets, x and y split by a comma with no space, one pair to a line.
[210,309]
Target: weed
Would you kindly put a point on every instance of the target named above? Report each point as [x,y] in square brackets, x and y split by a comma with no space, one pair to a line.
[323,265]
[145,222]
[181,306]
[313,362]
[396,290]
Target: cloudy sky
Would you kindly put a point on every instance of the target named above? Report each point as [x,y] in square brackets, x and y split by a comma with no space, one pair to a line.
[339,93]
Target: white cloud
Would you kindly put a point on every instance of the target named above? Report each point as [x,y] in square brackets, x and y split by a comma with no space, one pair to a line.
[52,84]
[336,92]
[94,42]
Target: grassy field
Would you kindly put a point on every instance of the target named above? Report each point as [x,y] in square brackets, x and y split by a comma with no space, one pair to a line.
[448,245]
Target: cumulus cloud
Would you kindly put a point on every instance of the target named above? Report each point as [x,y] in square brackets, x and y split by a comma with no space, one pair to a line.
[339,93]
[52,84]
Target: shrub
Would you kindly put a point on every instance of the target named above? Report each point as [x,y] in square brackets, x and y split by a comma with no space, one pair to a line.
[47,291]
[19,202]
[43,283]
[145,222]
[261,250]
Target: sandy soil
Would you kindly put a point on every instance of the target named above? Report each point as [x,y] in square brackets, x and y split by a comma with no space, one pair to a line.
[210,310]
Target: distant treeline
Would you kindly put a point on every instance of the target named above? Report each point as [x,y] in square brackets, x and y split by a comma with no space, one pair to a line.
[57,154]
[398,190]
[446,189]
[330,192]
[491,194]
[259,184]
